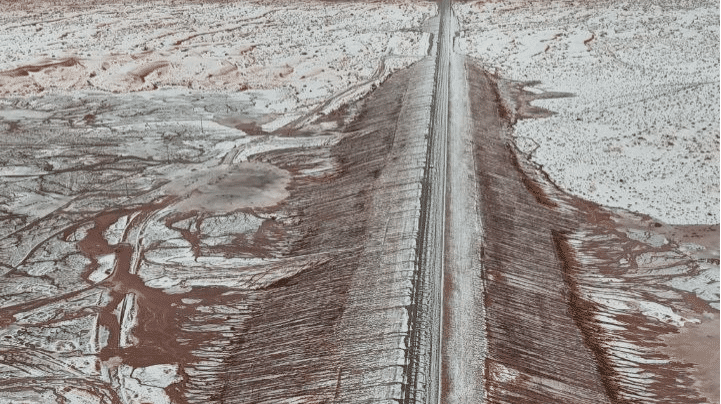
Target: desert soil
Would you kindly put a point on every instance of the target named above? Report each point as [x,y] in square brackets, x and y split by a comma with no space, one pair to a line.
[249,201]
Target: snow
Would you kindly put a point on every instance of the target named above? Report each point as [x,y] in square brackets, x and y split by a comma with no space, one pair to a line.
[143,107]
[642,132]
[216,47]
[134,388]
[663,313]
[705,285]
[157,375]
[114,233]
[106,263]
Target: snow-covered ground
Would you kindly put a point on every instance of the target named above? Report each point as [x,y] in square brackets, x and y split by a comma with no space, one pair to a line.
[121,119]
[304,52]
[642,132]
[154,111]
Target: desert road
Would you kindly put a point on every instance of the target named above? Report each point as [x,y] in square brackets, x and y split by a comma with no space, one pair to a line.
[448,225]
[216,216]
[507,315]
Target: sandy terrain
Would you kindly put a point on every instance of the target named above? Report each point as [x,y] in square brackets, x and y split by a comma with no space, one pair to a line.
[635,89]
[220,202]
[641,131]
[138,205]
[289,58]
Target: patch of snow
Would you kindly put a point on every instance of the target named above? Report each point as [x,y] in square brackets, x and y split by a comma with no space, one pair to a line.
[663,313]
[106,264]
[133,391]
[157,375]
